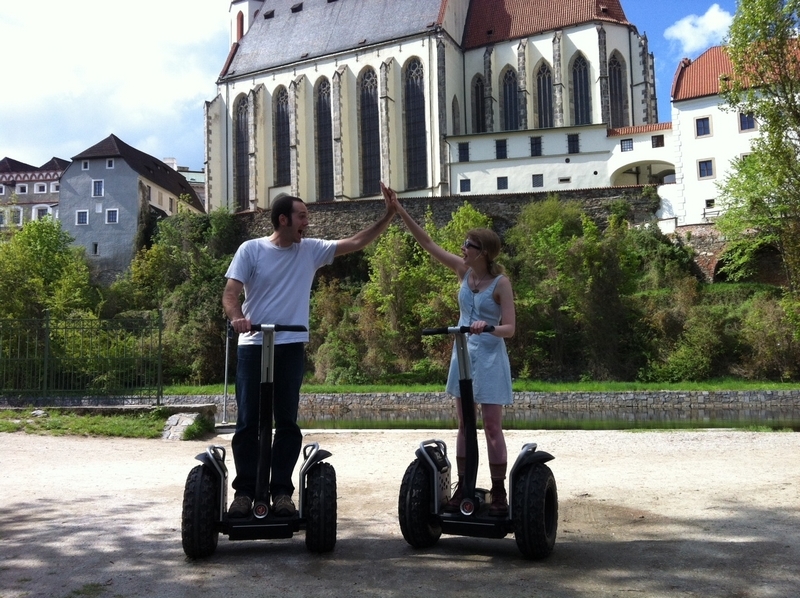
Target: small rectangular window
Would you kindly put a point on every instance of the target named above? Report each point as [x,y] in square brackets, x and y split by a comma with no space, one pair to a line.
[110,163]
[95,249]
[55,187]
[536,146]
[171,204]
[112,216]
[703,126]
[626,145]
[538,180]
[41,213]
[705,169]
[564,180]
[502,182]
[2,190]
[82,217]
[746,122]
[97,188]
[85,165]
[710,203]
[465,185]
[160,198]
[501,149]
[40,188]
[16,217]
[463,151]
[22,189]
[573,143]
[657,140]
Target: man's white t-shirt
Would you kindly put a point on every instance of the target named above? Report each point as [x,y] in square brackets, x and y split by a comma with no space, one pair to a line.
[277,283]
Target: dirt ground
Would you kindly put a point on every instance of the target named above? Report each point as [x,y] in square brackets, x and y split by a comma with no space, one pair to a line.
[678,513]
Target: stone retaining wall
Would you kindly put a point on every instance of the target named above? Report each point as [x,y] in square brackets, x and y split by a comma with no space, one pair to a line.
[762,406]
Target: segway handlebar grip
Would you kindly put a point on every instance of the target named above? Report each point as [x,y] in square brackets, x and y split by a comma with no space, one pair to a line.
[452,330]
[279,327]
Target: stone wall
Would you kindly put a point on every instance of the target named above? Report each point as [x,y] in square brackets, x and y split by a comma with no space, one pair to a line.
[634,406]
[337,220]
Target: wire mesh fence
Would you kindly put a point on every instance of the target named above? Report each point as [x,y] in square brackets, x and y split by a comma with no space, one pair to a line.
[82,361]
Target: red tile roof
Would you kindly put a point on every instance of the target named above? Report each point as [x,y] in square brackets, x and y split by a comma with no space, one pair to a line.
[639,129]
[490,21]
[700,78]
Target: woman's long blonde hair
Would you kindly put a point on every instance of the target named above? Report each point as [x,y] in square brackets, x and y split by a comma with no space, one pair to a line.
[490,246]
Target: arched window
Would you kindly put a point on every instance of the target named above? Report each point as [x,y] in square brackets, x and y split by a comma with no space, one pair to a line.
[478,106]
[581,93]
[324,142]
[241,174]
[239,26]
[416,138]
[510,101]
[544,96]
[616,84]
[282,155]
[369,125]
[456,117]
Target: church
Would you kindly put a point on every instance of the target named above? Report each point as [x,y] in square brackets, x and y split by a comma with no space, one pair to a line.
[324,99]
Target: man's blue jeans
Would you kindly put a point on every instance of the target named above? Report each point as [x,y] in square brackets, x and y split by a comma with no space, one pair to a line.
[287,441]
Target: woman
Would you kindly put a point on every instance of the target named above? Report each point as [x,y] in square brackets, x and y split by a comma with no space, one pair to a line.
[485,298]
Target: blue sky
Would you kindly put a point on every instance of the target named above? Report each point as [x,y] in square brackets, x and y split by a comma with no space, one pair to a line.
[78,71]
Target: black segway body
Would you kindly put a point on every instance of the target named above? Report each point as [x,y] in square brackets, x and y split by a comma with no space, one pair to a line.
[205,501]
[425,490]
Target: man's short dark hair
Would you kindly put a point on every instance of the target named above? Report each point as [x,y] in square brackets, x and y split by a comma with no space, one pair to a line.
[283,206]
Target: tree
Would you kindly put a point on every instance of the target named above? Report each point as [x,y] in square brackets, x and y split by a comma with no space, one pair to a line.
[761,195]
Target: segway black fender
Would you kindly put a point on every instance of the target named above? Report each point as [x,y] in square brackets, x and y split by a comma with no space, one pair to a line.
[318,456]
[528,456]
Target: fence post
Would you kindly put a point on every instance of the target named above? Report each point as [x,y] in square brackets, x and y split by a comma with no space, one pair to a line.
[46,374]
[160,391]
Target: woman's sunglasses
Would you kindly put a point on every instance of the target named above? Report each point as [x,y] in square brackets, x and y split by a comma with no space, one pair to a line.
[466,244]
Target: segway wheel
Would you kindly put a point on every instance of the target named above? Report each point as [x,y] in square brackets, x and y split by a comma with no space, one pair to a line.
[199,532]
[419,525]
[535,511]
[320,508]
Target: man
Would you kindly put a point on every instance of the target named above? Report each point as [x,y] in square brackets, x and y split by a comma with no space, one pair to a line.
[276,274]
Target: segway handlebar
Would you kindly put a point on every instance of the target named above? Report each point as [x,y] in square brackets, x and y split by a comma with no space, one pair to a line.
[274,327]
[452,330]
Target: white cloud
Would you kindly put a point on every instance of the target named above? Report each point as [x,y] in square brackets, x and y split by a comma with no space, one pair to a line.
[89,68]
[695,34]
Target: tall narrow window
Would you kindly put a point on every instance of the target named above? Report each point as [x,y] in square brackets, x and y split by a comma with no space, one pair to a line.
[241,175]
[324,142]
[478,106]
[581,94]
[616,84]
[282,155]
[510,101]
[544,96]
[370,134]
[456,117]
[416,138]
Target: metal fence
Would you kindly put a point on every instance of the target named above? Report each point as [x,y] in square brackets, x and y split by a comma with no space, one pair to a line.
[81,361]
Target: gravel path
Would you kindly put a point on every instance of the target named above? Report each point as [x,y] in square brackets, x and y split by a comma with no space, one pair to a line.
[678,513]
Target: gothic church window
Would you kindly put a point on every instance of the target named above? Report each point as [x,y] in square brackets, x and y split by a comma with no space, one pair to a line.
[416,138]
[282,154]
[241,173]
[324,142]
[581,92]
[478,105]
[510,101]
[617,85]
[369,129]
[544,96]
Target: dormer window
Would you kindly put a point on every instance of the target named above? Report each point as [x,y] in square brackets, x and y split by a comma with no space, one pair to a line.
[269,14]
[297,7]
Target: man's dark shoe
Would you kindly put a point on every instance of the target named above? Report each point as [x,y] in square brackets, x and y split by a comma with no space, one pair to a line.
[283,506]
[240,507]
[454,504]
[499,506]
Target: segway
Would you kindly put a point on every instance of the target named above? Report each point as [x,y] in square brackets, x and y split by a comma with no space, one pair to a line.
[204,514]
[425,490]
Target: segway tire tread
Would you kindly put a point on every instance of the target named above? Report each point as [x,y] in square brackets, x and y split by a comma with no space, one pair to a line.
[420,527]
[320,508]
[199,534]
[535,511]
